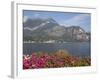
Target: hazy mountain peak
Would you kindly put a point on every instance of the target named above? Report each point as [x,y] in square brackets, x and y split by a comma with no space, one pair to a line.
[49,29]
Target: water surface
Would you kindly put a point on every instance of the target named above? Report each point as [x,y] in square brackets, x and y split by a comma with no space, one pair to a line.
[74,48]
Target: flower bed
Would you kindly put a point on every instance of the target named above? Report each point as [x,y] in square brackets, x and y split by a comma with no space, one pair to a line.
[58,59]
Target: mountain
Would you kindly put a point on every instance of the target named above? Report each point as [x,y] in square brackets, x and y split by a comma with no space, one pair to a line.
[77,33]
[35,26]
[40,30]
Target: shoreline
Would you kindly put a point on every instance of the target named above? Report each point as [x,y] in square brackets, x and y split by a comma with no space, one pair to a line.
[57,42]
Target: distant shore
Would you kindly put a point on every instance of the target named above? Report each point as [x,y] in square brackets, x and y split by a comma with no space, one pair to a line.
[53,41]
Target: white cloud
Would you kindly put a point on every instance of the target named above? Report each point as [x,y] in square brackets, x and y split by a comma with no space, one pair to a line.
[76,19]
[36,15]
[25,18]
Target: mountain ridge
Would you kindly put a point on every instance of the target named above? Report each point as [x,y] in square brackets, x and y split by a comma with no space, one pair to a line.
[40,30]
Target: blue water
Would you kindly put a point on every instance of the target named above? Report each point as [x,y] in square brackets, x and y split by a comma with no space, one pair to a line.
[75,48]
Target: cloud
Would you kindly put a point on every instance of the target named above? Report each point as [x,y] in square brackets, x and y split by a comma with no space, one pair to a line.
[76,20]
[25,18]
[32,16]
[40,15]
[79,17]
[36,15]
[82,20]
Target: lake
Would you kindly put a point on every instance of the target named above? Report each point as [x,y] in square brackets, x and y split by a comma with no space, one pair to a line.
[75,48]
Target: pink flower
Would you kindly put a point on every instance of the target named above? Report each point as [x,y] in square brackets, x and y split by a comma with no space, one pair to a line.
[26,63]
[40,62]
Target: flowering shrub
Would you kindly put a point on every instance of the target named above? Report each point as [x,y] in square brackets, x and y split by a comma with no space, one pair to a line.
[60,58]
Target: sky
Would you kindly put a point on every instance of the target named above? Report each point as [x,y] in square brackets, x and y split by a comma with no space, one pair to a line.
[63,18]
